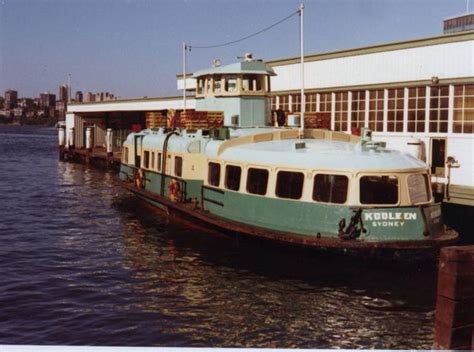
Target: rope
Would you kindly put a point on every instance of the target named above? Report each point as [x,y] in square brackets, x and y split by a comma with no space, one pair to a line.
[244,38]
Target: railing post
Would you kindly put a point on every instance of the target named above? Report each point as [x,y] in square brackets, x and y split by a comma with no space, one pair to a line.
[454,318]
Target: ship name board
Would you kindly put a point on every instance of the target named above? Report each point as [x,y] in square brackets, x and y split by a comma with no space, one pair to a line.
[388,219]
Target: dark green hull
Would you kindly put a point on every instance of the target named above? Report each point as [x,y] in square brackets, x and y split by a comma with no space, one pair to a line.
[308,224]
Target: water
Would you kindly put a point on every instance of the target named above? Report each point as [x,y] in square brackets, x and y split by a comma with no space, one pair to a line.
[84,263]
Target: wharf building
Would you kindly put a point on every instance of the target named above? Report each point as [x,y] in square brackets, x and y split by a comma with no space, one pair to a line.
[412,93]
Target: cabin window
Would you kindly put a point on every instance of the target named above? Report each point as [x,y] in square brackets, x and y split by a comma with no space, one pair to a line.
[125,155]
[214,174]
[257,180]
[158,163]
[330,188]
[217,84]
[178,166]
[208,85]
[231,83]
[289,184]
[146,159]
[152,163]
[379,190]
[232,177]
[418,188]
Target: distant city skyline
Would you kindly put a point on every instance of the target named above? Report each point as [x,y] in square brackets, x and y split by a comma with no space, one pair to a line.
[133,48]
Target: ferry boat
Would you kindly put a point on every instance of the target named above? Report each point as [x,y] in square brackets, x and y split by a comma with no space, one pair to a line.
[244,173]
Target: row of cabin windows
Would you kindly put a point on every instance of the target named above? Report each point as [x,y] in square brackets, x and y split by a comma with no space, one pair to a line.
[149,159]
[326,188]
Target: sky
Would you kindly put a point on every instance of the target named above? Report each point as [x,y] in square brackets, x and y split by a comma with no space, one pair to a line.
[133,48]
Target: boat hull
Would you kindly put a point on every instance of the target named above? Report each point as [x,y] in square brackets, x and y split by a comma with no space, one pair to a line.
[189,212]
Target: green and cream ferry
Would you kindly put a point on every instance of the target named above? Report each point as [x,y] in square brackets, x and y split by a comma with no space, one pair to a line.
[249,175]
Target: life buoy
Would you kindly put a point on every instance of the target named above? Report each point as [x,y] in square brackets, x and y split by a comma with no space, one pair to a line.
[139,178]
[174,190]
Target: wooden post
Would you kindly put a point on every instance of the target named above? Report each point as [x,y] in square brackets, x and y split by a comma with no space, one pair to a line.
[454,318]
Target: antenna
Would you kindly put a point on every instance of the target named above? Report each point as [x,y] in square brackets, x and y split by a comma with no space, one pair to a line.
[302,98]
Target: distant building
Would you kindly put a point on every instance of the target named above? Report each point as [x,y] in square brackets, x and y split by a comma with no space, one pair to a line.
[2,102]
[11,98]
[459,23]
[79,96]
[63,93]
[61,107]
[25,103]
[47,100]
[89,97]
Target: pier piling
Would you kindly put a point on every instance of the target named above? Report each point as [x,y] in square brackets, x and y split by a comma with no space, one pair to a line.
[454,319]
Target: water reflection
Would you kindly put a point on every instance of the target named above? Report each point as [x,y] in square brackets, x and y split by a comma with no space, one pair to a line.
[250,293]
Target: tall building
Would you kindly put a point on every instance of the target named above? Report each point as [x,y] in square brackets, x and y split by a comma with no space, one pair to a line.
[11,98]
[47,100]
[89,97]
[63,93]
[459,23]
[79,96]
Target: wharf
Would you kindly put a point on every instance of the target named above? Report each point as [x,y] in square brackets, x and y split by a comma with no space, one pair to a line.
[97,156]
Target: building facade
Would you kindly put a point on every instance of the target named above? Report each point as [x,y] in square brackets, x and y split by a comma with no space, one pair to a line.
[11,99]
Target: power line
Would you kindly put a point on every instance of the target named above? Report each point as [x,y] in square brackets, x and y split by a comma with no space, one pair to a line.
[244,38]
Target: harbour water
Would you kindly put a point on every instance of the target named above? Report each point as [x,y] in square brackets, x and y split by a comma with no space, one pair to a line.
[84,263]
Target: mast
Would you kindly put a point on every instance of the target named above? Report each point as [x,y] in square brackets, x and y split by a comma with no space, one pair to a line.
[302,98]
[184,77]
[69,88]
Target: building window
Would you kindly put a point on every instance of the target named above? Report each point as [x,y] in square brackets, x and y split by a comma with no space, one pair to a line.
[396,99]
[295,103]
[341,112]
[419,188]
[439,103]
[274,103]
[325,102]
[358,109]
[376,110]
[310,102]
[257,180]
[231,83]
[214,174]
[289,184]
[283,102]
[146,159]
[232,177]
[178,166]
[330,188]
[463,109]
[416,109]
[379,190]
[217,84]
[158,162]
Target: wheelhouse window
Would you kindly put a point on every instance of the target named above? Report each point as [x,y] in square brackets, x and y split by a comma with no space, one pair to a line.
[257,181]
[217,84]
[178,166]
[379,190]
[231,83]
[289,184]
[146,159]
[214,174]
[232,177]
[251,83]
[418,188]
[330,188]
[152,160]
[200,86]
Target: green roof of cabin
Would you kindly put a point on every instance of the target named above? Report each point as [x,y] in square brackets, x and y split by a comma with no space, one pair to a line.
[245,67]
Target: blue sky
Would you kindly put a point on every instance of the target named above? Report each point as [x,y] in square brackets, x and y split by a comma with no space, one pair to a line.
[133,48]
